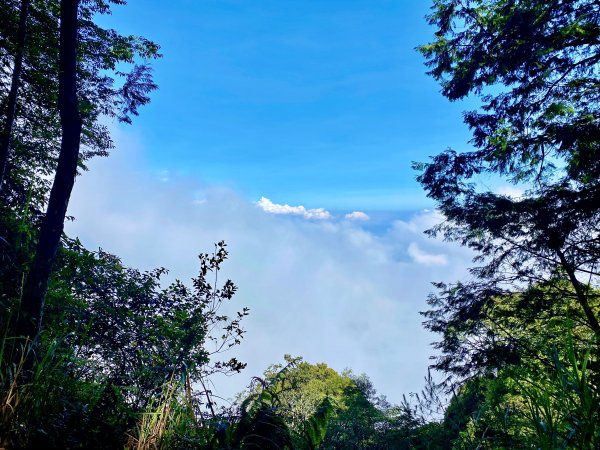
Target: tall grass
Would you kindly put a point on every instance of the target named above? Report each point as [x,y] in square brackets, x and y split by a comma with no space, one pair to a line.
[47,407]
[564,408]
[167,420]
[11,390]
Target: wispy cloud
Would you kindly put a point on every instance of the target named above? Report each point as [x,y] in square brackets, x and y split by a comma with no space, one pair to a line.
[274,208]
[512,192]
[357,215]
[428,259]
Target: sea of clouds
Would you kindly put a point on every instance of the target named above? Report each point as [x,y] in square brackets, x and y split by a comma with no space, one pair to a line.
[320,285]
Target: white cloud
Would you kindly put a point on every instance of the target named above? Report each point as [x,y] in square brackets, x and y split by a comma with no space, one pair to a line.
[512,192]
[330,291]
[428,259]
[357,215]
[274,208]
[420,222]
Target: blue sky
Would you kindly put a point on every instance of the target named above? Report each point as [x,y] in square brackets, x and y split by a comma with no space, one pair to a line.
[287,128]
[321,103]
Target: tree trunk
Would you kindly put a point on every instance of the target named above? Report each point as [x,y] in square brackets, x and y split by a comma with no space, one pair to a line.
[12,95]
[32,304]
[581,295]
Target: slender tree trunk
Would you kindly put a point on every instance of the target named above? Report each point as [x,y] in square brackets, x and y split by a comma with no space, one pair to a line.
[32,304]
[6,133]
[581,295]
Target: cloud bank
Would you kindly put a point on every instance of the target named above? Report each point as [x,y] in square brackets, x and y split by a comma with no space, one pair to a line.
[328,290]
[268,206]
[421,257]
[357,215]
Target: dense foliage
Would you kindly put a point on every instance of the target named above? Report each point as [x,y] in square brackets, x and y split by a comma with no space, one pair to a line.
[526,323]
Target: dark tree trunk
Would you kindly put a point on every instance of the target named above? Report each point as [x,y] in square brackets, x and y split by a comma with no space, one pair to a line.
[581,295]
[6,133]
[32,305]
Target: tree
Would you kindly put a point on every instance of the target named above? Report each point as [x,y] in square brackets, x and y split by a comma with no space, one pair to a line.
[6,132]
[106,88]
[291,405]
[359,421]
[534,66]
[114,343]
[309,406]
[32,303]
[135,333]
[88,55]
[301,387]
[359,417]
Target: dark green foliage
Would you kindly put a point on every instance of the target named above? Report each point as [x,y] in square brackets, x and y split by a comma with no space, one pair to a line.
[114,338]
[137,333]
[320,408]
[359,419]
[537,61]
[104,89]
[511,330]
[261,426]
[563,407]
